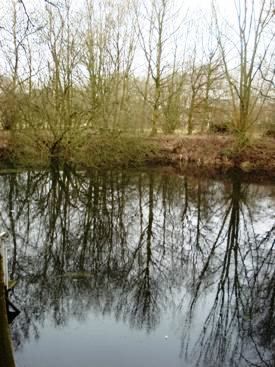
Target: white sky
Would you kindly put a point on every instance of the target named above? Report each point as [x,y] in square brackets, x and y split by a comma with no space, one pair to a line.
[199,12]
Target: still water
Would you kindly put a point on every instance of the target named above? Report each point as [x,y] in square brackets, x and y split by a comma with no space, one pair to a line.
[140,269]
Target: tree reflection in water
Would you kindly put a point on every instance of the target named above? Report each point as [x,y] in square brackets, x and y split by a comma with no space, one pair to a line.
[138,245]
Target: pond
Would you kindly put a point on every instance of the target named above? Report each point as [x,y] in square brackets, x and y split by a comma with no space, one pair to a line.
[140,268]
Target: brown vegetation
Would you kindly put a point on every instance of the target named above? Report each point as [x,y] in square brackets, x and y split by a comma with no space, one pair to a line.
[219,154]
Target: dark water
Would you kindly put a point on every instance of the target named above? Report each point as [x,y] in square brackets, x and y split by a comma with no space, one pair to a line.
[140,269]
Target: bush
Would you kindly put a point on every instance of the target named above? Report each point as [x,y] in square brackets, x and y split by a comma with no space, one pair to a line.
[270,131]
[219,128]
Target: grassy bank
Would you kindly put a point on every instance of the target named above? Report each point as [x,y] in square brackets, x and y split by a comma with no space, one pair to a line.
[211,153]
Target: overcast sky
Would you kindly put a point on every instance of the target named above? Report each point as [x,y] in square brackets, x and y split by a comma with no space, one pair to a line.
[199,15]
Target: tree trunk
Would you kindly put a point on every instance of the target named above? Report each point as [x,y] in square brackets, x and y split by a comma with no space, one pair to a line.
[190,116]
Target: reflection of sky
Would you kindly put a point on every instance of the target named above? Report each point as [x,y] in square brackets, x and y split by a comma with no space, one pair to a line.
[117,338]
[104,341]
[101,341]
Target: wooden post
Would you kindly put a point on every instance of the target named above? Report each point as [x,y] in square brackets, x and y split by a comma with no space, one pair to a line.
[6,350]
[4,254]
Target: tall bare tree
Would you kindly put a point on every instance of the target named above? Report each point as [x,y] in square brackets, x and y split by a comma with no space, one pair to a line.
[245,48]
[154,32]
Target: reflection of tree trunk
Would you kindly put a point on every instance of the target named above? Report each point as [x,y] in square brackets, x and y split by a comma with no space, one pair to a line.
[87,226]
[64,217]
[140,196]
[164,201]
[6,352]
[96,224]
[271,306]
[54,210]
[186,198]
[151,211]
[12,222]
[233,232]
[121,184]
[198,217]
[232,214]
[183,217]
[227,309]
[149,236]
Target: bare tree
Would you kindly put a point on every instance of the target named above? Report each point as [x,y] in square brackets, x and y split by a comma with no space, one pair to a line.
[15,34]
[154,32]
[245,48]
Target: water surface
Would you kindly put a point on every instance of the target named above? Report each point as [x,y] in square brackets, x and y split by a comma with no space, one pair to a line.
[140,269]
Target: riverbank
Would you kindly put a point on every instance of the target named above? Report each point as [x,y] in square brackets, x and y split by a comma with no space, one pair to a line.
[213,154]
[209,154]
